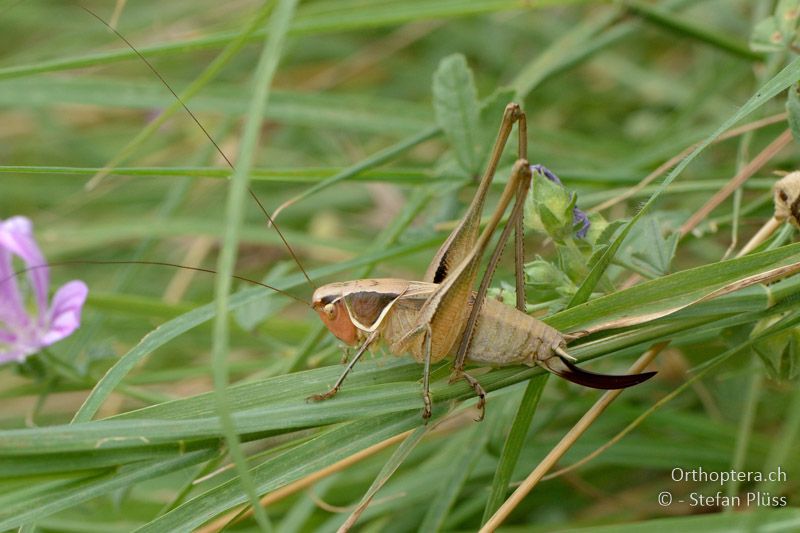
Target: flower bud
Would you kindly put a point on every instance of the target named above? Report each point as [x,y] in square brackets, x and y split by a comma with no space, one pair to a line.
[551,208]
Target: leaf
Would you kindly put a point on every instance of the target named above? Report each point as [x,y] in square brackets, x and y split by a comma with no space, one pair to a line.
[770,89]
[546,282]
[646,250]
[572,263]
[674,290]
[455,104]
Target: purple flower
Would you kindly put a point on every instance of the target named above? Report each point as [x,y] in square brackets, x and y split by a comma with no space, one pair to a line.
[25,330]
[579,218]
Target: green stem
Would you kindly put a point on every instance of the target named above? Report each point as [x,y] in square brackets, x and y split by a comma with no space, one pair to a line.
[745,429]
[237,194]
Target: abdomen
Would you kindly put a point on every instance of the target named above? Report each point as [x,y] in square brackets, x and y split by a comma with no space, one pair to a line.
[506,336]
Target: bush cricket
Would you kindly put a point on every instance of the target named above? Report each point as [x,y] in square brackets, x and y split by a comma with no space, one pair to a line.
[441,316]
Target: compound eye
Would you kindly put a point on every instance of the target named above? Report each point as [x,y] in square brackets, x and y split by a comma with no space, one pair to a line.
[782,195]
[329,309]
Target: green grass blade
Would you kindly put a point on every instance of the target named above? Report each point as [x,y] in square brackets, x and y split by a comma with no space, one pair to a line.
[769,90]
[358,112]
[673,290]
[778,521]
[746,428]
[683,27]
[312,19]
[172,329]
[574,46]
[513,445]
[609,94]
[287,176]
[277,29]
[208,74]
[376,159]
[394,462]
[88,463]
[85,489]
[466,451]
[324,450]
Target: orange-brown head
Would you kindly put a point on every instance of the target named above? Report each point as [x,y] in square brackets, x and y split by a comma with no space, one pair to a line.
[328,301]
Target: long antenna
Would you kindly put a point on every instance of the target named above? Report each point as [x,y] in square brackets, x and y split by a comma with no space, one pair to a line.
[68,262]
[207,134]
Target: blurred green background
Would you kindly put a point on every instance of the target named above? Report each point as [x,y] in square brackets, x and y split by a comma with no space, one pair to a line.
[611,90]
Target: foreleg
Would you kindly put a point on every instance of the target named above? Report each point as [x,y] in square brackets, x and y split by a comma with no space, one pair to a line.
[332,392]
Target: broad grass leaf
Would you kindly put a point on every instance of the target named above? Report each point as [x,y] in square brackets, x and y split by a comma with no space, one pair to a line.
[455,104]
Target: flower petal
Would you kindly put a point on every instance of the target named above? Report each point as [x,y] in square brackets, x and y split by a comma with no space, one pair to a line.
[65,312]
[580,218]
[16,236]
[547,173]
[7,337]
[12,355]
[12,311]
